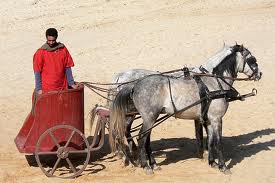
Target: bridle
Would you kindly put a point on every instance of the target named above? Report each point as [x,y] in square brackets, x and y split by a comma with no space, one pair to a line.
[251,60]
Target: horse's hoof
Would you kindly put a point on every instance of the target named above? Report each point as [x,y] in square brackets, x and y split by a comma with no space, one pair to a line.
[135,163]
[200,155]
[148,171]
[214,165]
[156,167]
[226,171]
[126,163]
[119,154]
[138,163]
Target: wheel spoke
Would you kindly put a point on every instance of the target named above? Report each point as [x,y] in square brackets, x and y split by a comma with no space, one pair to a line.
[70,138]
[55,166]
[71,165]
[80,151]
[54,139]
[62,151]
[47,153]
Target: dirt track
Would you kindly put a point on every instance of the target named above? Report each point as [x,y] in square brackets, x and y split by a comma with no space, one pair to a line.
[106,37]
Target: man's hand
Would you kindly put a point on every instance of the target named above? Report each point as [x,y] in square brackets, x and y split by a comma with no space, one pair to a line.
[75,86]
[39,92]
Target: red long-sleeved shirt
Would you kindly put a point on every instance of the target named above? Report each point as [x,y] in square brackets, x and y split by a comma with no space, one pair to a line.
[52,65]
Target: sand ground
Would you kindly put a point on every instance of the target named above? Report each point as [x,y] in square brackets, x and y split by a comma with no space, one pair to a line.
[106,37]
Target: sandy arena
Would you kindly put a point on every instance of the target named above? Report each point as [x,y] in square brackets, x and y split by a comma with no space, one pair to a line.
[109,36]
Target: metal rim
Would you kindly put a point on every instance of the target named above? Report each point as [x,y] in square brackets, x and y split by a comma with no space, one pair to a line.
[62,153]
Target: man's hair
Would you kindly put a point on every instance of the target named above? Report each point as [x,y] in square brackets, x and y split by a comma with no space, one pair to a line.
[52,32]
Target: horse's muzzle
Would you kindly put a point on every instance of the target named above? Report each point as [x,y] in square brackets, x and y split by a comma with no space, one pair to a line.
[258,76]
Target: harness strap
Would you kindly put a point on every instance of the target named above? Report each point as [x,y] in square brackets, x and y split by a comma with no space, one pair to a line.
[170,91]
[219,83]
[204,93]
[231,87]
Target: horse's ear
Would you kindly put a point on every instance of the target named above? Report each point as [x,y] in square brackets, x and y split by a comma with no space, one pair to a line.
[242,47]
[236,43]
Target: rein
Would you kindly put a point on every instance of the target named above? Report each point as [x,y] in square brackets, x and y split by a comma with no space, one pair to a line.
[206,97]
[163,118]
[96,89]
[223,77]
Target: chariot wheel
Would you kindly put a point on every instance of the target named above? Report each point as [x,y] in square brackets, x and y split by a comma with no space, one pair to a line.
[58,161]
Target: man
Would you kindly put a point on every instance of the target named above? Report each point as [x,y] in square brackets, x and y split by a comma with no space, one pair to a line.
[52,65]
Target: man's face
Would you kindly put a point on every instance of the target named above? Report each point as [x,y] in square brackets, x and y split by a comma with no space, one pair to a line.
[51,41]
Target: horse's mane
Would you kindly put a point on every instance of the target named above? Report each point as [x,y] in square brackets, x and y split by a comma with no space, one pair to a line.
[228,64]
[217,58]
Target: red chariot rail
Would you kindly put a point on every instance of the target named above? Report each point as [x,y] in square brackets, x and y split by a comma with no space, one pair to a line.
[50,109]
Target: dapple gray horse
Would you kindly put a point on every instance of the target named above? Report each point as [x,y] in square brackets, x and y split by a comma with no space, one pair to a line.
[133,75]
[156,94]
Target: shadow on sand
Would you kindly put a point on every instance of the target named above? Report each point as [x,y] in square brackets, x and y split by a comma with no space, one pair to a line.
[77,159]
[235,148]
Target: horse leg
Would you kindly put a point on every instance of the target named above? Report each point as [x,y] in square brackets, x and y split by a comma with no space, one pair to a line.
[211,159]
[206,130]
[127,154]
[142,141]
[151,158]
[131,143]
[199,137]
[218,144]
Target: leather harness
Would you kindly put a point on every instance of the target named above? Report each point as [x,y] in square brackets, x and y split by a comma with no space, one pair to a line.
[207,96]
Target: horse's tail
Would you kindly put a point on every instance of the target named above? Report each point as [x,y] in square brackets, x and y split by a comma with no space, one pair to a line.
[118,118]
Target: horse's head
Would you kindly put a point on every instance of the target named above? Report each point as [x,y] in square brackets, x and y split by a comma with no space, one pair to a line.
[247,63]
